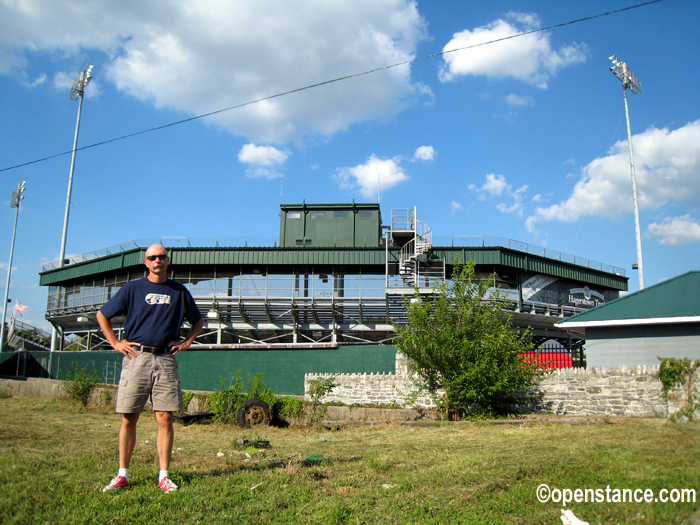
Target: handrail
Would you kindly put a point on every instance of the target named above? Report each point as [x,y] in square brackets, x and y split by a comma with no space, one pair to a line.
[482,241]
[169,242]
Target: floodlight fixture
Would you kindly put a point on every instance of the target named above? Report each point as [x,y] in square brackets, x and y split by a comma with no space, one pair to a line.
[631,82]
[17,195]
[622,71]
[82,80]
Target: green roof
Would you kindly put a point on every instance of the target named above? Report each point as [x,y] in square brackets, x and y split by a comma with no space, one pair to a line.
[369,259]
[675,300]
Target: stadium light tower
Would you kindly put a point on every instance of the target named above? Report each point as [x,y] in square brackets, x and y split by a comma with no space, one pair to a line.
[16,198]
[629,80]
[76,93]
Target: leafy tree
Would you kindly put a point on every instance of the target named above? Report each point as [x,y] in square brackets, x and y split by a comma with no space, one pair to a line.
[459,340]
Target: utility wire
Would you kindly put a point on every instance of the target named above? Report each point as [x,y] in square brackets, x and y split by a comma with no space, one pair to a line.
[332,81]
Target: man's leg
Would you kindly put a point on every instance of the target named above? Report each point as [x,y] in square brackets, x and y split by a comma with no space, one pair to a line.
[166,397]
[165,450]
[165,438]
[127,441]
[127,438]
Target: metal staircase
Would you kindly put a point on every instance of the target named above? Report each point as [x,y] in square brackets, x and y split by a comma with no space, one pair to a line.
[415,239]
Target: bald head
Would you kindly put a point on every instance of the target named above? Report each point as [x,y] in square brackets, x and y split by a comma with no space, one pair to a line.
[156,249]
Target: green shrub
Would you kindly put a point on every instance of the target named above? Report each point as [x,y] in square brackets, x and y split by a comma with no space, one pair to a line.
[106,397]
[80,383]
[287,406]
[318,389]
[225,401]
[186,399]
[674,373]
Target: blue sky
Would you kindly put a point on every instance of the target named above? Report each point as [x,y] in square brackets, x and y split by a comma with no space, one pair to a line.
[521,139]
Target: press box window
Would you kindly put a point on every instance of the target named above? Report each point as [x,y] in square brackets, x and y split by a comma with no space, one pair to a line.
[340,215]
[294,215]
[364,214]
[317,215]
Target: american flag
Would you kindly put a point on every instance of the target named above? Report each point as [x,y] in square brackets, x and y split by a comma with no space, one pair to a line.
[19,307]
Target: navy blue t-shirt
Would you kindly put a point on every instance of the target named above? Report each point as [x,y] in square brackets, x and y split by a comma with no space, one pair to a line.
[154,311]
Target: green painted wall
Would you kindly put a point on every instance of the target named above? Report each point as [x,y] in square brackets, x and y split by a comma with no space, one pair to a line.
[283,370]
[330,225]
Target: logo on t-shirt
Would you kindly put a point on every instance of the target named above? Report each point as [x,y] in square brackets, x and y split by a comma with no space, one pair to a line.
[157,298]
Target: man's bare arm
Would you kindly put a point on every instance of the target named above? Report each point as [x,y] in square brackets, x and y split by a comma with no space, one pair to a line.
[123,347]
[178,346]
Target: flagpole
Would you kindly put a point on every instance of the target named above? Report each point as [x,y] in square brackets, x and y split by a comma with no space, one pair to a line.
[16,198]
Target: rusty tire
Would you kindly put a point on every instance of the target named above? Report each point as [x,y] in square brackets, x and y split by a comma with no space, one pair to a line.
[252,413]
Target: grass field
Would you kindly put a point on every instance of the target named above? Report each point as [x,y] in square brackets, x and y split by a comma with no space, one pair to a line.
[54,457]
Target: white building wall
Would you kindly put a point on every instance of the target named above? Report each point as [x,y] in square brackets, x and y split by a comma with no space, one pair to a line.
[640,346]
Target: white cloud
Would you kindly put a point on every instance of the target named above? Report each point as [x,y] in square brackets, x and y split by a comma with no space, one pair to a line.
[667,163]
[516,208]
[263,161]
[675,231]
[497,186]
[493,186]
[529,58]
[455,206]
[517,100]
[425,153]
[38,81]
[202,56]
[375,174]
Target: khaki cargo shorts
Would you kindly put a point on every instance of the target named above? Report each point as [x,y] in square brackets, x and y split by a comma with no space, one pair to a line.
[148,375]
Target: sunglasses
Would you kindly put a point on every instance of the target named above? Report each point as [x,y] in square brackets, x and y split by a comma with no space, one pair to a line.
[154,257]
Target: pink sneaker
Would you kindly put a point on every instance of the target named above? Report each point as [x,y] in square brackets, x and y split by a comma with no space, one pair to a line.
[167,485]
[118,483]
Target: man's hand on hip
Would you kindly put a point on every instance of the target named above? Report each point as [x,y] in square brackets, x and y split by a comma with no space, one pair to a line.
[124,347]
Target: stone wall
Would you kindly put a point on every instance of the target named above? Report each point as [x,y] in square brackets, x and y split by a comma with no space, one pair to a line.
[623,391]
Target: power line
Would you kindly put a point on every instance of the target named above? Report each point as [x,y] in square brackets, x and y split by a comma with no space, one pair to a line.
[332,81]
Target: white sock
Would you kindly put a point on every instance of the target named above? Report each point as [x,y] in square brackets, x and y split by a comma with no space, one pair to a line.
[162,474]
[124,472]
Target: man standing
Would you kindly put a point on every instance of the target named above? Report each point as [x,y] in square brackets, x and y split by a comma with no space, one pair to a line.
[154,308]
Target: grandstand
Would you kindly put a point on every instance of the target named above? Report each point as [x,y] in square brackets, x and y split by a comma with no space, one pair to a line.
[335,276]
[23,336]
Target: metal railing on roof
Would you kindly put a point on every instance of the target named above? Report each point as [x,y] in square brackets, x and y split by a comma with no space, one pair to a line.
[168,242]
[262,242]
[478,241]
